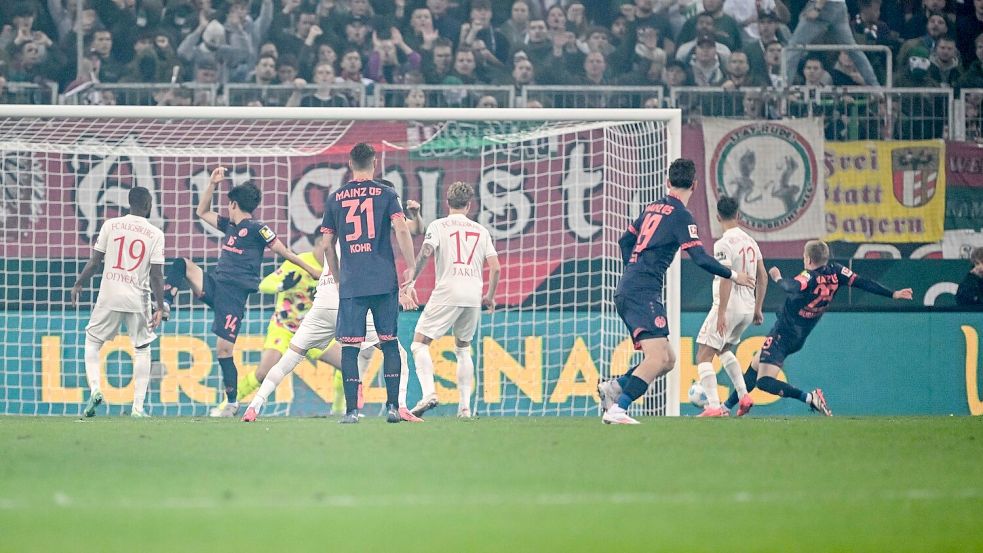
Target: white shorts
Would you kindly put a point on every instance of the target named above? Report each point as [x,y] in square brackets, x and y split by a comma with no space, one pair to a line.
[104,325]
[437,319]
[737,323]
[319,326]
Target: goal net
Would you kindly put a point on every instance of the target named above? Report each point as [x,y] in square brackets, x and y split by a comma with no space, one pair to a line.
[555,188]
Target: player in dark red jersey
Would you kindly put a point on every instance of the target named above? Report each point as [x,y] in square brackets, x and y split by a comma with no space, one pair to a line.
[648,248]
[227,287]
[809,295]
[361,215]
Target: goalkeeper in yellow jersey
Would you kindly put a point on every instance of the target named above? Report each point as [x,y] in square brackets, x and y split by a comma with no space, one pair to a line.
[294,290]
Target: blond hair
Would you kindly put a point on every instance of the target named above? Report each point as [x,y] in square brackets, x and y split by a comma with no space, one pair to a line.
[817,251]
[459,194]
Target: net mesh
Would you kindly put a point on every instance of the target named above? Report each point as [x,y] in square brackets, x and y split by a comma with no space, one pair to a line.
[555,196]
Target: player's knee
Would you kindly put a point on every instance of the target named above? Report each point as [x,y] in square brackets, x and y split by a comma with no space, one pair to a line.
[224,348]
[417,347]
[670,360]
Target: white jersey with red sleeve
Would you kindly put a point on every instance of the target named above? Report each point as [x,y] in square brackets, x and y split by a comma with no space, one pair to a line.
[131,245]
[461,247]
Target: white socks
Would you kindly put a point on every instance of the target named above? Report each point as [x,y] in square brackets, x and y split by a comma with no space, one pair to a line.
[708,379]
[141,377]
[733,368]
[404,375]
[282,368]
[92,365]
[465,375]
[424,368]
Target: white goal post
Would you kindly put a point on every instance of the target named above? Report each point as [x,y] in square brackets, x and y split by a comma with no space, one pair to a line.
[555,187]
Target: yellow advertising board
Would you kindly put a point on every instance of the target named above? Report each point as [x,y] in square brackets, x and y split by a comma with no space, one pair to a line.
[885,191]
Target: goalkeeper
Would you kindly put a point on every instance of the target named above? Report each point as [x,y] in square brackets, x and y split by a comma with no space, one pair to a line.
[294,290]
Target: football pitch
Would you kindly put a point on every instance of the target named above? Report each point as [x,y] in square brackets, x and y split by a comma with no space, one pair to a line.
[493,484]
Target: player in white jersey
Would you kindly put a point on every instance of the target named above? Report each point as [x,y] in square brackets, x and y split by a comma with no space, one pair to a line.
[734,309]
[134,253]
[317,331]
[461,247]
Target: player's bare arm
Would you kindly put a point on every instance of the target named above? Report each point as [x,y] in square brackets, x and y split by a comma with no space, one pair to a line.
[90,269]
[760,289]
[407,294]
[157,287]
[283,251]
[413,222]
[204,210]
[494,272]
[711,265]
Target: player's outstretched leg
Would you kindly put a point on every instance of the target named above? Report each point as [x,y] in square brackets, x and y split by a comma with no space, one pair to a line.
[424,372]
[282,368]
[465,379]
[708,379]
[93,375]
[750,382]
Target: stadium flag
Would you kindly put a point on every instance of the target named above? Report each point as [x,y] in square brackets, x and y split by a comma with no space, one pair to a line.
[885,191]
[964,189]
[772,169]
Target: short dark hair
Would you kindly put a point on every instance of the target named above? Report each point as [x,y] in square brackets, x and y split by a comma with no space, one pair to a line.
[682,173]
[727,208]
[976,256]
[140,199]
[247,195]
[361,156]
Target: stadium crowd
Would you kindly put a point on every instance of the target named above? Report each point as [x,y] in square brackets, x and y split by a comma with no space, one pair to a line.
[330,52]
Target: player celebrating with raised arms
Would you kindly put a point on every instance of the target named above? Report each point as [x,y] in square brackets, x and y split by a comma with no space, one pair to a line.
[461,247]
[648,248]
[734,309]
[809,295]
[227,287]
[360,216]
[135,250]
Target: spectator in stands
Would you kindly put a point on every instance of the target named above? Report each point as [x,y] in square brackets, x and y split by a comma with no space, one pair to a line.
[515,27]
[968,27]
[174,96]
[293,32]
[597,39]
[126,20]
[619,29]
[739,74]
[206,75]
[577,19]
[973,75]
[523,72]
[208,41]
[421,34]
[705,63]
[972,114]
[167,58]
[753,105]
[415,98]
[624,57]
[556,19]
[767,29]
[936,27]
[351,69]
[110,69]
[144,67]
[478,34]
[829,18]
[746,13]
[726,30]
[773,64]
[923,115]
[268,48]
[870,29]
[179,19]
[487,101]
[595,70]
[845,73]
[64,19]
[646,47]
[438,65]
[946,67]
[537,44]
[82,89]
[358,35]
[465,69]
[915,26]
[677,74]
[286,69]
[564,61]
[325,95]
[813,73]
[244,34]
[970,291]
[704,23]
[444,22]
[384,62]
[264,73]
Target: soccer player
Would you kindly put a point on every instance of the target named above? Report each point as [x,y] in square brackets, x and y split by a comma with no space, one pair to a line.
[135,250]
[734,309]
[227,287]
[461,248]
[360,216]
[648,248]
[809,295]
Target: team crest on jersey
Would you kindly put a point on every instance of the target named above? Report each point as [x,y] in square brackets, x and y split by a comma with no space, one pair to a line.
[660,321]
[243,232]
[915,173]
[774,192]
[266,233]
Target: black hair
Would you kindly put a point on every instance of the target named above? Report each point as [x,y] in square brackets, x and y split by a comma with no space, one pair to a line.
[361,156]
[682,173]
[247,195]
[140,199]
[727,208]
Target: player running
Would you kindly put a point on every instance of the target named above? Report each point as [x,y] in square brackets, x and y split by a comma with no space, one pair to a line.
[648,248]
[135,249]
[461,248]
[734,309]
[227,287]
[809,295]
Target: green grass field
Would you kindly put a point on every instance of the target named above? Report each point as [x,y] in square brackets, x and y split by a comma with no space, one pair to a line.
[523,484]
